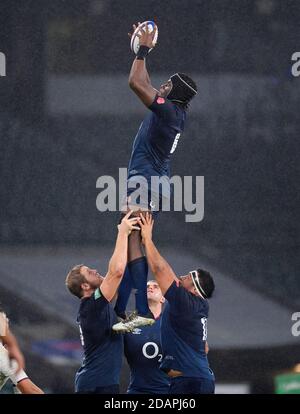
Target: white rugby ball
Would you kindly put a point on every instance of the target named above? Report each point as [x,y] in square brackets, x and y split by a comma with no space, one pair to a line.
[135,41]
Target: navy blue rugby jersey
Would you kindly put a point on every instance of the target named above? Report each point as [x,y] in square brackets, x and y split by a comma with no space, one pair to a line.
[143,352]
[184,333]
[103,349]
[157,139]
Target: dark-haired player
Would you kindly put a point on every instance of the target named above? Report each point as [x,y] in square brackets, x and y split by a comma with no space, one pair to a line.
[154,144]
[184,321]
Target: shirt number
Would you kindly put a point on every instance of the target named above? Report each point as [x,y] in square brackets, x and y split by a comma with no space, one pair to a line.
[175,143]
[204,325]
[81,336]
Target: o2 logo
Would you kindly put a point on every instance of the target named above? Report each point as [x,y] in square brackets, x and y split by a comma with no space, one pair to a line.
[2,64]
[151,350]
[296,327]
[296,66]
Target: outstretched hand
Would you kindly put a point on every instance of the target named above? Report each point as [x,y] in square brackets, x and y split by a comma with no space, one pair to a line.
[146,224]
[128,224]
[145,37]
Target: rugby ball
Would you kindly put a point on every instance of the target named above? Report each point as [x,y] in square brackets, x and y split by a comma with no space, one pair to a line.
[135,41]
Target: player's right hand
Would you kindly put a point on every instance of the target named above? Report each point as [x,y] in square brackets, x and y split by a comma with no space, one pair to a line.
[146,37]
[129,224]
[146,227]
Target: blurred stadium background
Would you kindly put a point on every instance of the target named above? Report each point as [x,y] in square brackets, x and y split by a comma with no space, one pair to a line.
[67,117]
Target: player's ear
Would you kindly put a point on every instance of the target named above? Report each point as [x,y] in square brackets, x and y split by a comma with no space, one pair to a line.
[162,300]
[85,286]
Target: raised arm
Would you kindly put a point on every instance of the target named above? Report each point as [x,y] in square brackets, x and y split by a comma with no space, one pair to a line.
[139,80]
[161,269]
[118,260]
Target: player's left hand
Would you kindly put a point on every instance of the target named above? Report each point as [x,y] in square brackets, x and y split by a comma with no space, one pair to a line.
[128,224]
[146,225]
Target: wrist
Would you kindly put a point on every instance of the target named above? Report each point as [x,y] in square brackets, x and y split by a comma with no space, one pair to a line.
[122,230]
[142,52]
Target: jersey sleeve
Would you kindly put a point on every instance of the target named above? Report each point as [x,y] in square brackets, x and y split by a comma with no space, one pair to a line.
[180,300]
[3,324]
[163,108]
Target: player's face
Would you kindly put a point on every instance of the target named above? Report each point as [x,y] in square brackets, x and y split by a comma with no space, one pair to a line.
[165,89]
[92,276]
[154,292]
[186,281]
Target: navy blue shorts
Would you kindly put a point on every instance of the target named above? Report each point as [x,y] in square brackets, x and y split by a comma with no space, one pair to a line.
[148,199]
[190,385]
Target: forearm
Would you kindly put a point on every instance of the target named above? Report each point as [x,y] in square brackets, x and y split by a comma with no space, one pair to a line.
[10,341]
[158,265]
[28,387]
[139,74]
[13,349]
[118,260]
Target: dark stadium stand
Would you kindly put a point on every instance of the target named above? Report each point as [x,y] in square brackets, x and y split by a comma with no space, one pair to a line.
[250,170]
